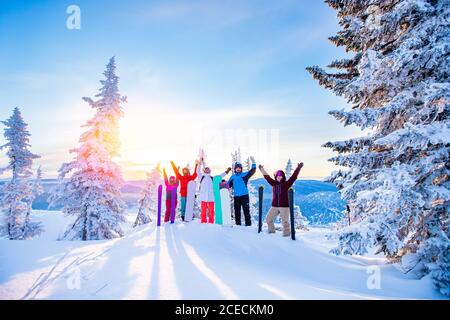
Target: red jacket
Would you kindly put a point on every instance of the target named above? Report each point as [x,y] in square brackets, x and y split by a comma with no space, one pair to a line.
[184,180]
[280,190]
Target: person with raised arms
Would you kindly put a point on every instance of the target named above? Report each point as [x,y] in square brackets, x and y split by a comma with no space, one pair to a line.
[280,197]
[184,179]
[171,191]
[238,182]
[206,196]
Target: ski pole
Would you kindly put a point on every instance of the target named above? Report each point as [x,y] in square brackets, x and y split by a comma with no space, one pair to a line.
[291,211]
[159,205]
[260,194]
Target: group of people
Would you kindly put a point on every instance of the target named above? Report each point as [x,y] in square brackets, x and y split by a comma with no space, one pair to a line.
[238,183]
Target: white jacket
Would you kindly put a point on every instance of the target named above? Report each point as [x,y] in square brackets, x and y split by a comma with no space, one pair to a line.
[206,185]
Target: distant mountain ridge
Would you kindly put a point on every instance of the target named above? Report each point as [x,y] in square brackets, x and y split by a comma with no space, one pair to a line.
[320,202]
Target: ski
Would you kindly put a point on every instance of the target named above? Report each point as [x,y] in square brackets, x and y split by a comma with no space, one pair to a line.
[160,188]
[291,212]
[190,200]
[217,201]
[226,204]
[172,207]
[260,206]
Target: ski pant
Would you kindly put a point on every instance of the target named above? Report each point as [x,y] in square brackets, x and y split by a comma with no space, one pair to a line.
[183,206]
[168,209]
[244,202]
[210,207]
[285,215]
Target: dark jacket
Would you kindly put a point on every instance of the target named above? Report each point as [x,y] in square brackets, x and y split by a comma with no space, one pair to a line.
[280,190]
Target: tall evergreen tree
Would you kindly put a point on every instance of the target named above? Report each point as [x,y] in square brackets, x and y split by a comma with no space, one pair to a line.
[18,193]
[92,192]
[149,202]
[397,181]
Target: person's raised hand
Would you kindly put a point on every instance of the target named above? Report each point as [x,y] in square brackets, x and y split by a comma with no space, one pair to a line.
[300,165]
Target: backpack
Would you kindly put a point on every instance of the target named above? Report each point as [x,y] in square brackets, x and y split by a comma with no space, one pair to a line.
[201,180]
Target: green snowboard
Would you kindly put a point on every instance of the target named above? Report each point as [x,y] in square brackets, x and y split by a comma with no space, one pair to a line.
[217,201]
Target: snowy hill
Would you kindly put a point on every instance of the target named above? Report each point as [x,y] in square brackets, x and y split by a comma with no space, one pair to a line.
[193,261]
[319,201]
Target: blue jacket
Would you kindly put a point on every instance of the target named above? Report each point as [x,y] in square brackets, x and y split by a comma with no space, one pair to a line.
[238,181]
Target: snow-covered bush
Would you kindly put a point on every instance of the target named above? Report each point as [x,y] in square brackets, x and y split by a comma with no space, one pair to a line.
[300,222]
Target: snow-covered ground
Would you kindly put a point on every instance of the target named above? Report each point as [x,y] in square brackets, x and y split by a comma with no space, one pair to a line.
[194,261]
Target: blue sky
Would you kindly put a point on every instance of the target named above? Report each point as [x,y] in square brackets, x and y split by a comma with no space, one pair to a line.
[220,74]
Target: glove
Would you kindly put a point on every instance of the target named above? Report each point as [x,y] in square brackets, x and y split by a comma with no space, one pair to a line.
[300,165]
[252,159]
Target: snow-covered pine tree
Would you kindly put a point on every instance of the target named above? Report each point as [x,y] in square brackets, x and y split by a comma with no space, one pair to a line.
[18,193]
[253,195]
[149,200]
[197,207]
[397,182]
[299,220]
[288,170]
[202,155]
[92,192]
[236,157]
[38,189]
[38,186]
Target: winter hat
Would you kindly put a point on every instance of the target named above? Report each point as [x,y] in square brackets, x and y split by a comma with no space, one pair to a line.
[236,165]
[280,173]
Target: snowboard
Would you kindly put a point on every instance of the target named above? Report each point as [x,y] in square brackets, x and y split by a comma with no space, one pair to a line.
[217,201]
[226,207]
[172,206]
[291,212]
[160,188]
[260,205]
[190,199]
